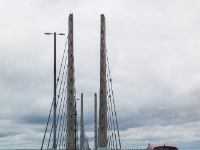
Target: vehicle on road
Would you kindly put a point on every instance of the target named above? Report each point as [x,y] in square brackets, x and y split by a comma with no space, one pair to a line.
[161,147]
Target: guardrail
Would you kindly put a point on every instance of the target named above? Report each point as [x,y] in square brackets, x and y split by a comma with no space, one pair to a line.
[65,149]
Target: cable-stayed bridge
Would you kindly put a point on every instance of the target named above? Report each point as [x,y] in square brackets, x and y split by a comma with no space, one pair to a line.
[61,128]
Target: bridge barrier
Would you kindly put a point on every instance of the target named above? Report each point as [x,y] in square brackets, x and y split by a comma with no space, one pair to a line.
[65,149]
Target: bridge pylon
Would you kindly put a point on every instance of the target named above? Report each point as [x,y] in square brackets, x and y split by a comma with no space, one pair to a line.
[82,125]
[95,122]
[103,87]
[71,110]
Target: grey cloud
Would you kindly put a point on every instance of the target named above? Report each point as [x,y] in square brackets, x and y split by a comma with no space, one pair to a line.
[153,54]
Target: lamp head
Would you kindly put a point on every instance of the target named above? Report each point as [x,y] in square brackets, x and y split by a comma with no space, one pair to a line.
[48,33]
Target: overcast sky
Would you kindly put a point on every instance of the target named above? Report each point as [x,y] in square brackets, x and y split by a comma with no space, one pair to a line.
[153,49]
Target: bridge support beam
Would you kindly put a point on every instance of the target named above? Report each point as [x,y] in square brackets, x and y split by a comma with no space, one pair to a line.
[70,90]
[103,87]
[95,121]
[82,125]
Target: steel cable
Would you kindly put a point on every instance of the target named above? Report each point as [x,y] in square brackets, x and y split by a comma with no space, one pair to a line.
[62,61]
[109,120]
[63,91]
[114,104]
[111,110]
[47,125]
[52,102]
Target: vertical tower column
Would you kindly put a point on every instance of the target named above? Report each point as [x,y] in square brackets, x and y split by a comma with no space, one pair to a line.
[82,126]
[95,121]
[103,87]
[70,89]
[54,99]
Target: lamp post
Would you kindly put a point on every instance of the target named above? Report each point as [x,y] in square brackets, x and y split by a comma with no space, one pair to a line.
[54,96]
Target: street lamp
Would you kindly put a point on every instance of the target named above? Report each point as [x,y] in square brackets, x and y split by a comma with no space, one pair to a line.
[54,98]
[54,33]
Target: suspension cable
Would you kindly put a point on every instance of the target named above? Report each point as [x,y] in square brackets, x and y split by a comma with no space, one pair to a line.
[112,122]
[113,102]
[52,101]
[47,125]
[109,129]
[109,119]
[63,90]
[62,61]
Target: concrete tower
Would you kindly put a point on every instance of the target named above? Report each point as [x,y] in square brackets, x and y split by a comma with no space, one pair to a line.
[103,89]
[82,125]
[95,121]
[70,91]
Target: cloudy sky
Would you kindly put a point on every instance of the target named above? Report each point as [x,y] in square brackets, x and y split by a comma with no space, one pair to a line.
[153,49]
